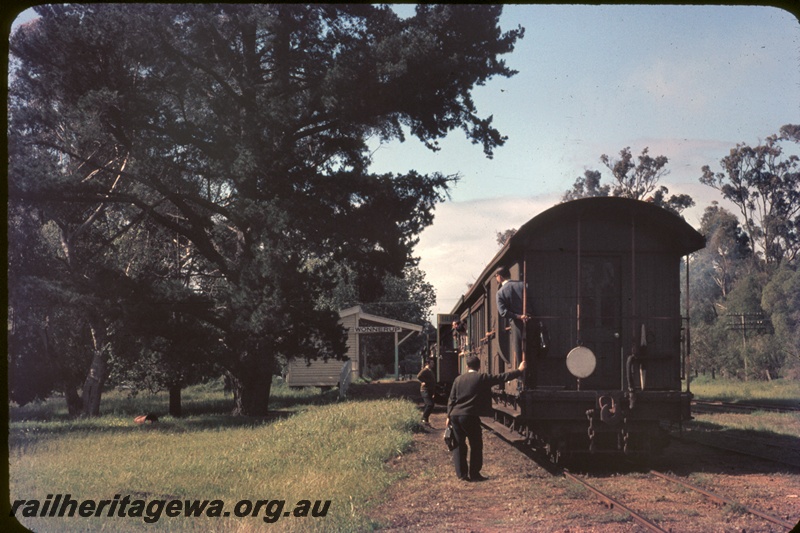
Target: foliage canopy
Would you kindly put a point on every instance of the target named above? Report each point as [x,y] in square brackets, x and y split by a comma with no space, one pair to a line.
[239,133]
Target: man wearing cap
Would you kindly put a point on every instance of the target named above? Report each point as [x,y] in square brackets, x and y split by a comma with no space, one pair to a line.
[471,398]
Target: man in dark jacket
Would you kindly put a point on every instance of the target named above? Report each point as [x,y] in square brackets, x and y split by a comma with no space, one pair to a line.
[427,389]
[510,303]
[471,398]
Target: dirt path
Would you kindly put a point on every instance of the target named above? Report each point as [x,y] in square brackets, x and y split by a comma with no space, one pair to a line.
[431,498]
[521,496]
[517,496]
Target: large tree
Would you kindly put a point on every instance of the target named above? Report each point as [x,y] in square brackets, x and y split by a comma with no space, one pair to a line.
[242,130]
[764,184]
[715,271]
[781,299]
[727,247]
[630,179]
[45,348]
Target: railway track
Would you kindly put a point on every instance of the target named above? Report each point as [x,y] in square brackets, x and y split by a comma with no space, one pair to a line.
[612,502]
[651,525]
[643,507]
[781,449]
[717,406]
[722,500]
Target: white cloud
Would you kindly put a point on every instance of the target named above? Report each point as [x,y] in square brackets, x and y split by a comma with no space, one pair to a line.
[462,240]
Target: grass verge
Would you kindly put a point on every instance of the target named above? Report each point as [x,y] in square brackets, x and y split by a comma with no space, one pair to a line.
[778,392]
[763,433]
[323,453]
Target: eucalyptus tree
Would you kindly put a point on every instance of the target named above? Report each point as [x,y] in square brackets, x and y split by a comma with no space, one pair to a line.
[715,271]
[166,335]
[60,290]
[764,184]
[43,315]
[637,179]
[244,130]
[781,299]
[727,250]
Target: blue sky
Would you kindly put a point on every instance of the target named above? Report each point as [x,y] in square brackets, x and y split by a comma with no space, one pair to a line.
[686,81]
[689,82]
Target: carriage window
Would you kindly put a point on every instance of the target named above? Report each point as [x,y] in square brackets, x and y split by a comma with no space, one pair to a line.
[478,323]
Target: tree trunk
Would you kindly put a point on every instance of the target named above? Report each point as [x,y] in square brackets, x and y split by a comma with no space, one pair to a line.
[175,400]
[92,391]
[74,403]
[93,386]
[71,385]
[251,389]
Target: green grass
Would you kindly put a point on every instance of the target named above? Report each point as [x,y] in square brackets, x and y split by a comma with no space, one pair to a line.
[324,451]
[776,392]
[764,433]
[779,392]
[763,422]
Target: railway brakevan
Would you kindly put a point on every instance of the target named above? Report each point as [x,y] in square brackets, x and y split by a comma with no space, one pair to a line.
[607,345]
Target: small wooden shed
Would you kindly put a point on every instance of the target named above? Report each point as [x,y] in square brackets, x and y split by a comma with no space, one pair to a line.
[321,373]
[334,373]
[358,323]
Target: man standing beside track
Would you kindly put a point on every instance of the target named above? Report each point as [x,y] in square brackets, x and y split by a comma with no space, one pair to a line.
[471,398]
[427,389]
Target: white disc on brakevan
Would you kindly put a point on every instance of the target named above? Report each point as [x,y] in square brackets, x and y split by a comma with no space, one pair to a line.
[581,362]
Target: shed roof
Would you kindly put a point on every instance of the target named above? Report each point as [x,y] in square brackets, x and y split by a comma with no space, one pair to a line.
[356,310]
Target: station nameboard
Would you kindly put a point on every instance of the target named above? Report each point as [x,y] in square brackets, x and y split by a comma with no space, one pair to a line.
[378,329]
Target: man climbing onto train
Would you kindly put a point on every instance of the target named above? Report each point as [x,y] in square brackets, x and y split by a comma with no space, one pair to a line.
[510,296]
[511,299]
[471,398]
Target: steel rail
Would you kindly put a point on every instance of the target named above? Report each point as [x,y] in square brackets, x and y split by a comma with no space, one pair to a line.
[722,500]
[639,519]
[748,407]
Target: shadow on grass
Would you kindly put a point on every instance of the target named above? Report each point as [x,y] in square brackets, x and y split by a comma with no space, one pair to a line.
[747,439]
[752,450]
[775,403]
[204,408]
[23,434]
[727,405]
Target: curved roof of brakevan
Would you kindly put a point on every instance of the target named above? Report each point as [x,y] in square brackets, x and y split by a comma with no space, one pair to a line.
[685,238]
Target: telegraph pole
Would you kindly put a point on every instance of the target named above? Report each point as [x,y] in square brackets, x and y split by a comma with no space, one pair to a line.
[753,322]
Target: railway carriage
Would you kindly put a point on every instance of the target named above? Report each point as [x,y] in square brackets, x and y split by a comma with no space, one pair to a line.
[606,344]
